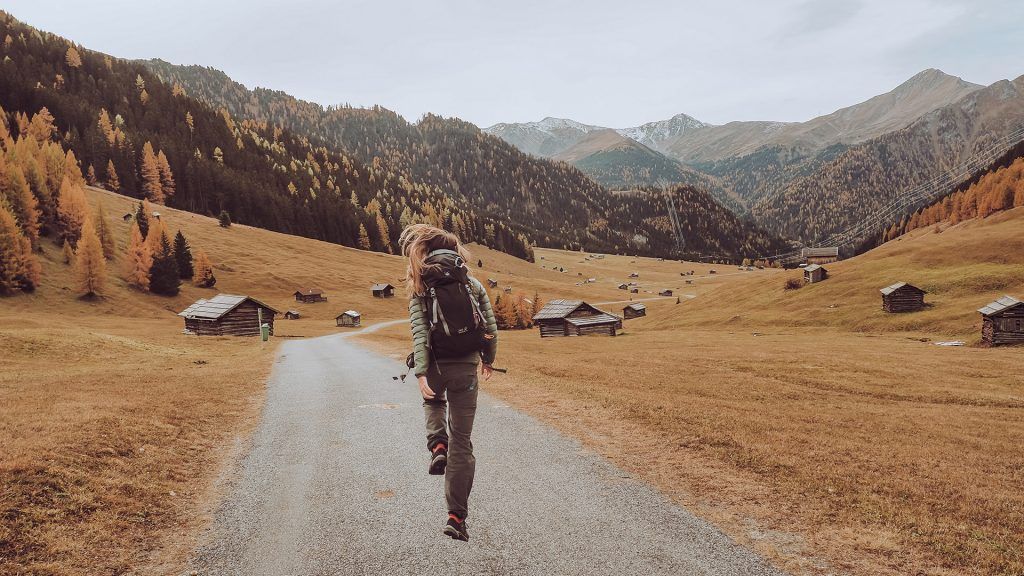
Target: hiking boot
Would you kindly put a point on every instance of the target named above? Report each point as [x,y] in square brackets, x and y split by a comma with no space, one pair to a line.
[438,460]
[456,528]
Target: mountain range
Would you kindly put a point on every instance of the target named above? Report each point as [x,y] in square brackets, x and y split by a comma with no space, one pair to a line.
[804,180]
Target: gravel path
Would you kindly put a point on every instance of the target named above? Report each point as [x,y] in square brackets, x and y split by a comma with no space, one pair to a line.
[336,483]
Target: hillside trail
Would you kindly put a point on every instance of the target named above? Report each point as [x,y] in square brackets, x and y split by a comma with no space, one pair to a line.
[336,483]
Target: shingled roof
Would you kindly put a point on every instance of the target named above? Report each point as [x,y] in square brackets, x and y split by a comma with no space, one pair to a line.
[310,292]
[637,306]
[1004,303]
[376,287]
[890,289]
[218,306]
[556,309]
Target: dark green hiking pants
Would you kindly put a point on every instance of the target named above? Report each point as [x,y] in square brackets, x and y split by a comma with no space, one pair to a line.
[455,388]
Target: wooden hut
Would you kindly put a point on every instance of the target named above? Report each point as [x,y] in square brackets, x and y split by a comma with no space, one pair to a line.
[1003,322]
[491,282]
[902,297]
[382,290]
[575,318]
[228,315]
[665,293]
[634,310]
[634,275]
[623,286]
[310,295]
[127,216]
[823,255]
[292,315]
[815,273]
[348,318]
[634,290]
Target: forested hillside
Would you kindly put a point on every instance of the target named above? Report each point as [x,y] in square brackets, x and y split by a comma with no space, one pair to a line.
[999,188]
[556,203]
[114,114]
[840,191]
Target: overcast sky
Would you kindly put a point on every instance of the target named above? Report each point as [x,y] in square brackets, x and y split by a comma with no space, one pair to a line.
[615,63]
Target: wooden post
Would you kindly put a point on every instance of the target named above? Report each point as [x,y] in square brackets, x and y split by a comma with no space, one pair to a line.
[259,322]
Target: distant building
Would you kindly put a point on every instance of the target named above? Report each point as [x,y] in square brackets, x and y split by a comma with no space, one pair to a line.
[634,310]
[1003,322]
[292,315]
[382,290]
[665,293]
[902,297]
[228,315]
[820,255]
[348,318]
[310,295]
[623,286]
[492,282]
[814,273]
[575,318]
[634,275]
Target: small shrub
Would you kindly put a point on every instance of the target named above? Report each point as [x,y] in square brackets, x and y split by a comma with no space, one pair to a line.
[794,284]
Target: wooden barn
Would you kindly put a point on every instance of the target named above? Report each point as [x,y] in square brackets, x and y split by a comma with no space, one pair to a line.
[348,318]
[292,315]
[1003,322]
[634,310]
[382,290]
[310,295]
[902,297]
[228,315]
[665,293]
[575,318]
[823,255]
[815,273]
[634,290]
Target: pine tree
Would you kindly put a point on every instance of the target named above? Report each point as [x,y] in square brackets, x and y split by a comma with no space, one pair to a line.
[106,127]
[537,304]
[90,176]
[105,234]
[152,188]
[137,260]
[166,177]
[19,269]
[72,57]
[19,196]
[523,312]
[90,264]
[183,256]
[479,263]
[224,219]
[203,276]
[364,238]
[504,314]
[142,218]
[113,182]
[385,237]
[163,275]
[68,253]
[72,211]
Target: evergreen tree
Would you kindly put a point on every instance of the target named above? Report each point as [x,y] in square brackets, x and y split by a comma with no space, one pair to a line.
[90,264]
[142,219]
[104,232]
[523,312]
[224,219]
[504,313]
[113,182]
[203,276]
[163,275]
[73,58]
[19,269]
[68,253]
[166,177]
[183,256]
[137,260]
[72,211]
[15,188]
[537,305]
[479,263]
[152,187]
[364,238]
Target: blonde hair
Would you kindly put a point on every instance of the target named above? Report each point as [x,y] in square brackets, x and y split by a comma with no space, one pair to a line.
[418,241]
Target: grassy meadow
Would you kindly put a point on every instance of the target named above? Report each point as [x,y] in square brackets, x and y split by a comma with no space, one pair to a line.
[806,423]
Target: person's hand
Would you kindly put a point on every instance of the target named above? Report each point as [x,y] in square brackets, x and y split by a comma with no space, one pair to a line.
[486,371]
[425,390]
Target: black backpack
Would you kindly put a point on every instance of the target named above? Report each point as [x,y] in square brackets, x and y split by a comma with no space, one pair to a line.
[456,324]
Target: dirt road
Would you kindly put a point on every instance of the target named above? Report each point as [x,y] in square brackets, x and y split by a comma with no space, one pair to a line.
[336,483]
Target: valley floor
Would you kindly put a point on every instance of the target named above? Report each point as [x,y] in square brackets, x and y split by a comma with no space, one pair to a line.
[807,424]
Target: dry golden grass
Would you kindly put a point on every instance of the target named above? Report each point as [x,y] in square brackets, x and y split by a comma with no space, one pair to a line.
[834,440]
[827,435]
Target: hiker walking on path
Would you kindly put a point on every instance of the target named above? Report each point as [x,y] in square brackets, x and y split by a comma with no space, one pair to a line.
[453,332]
